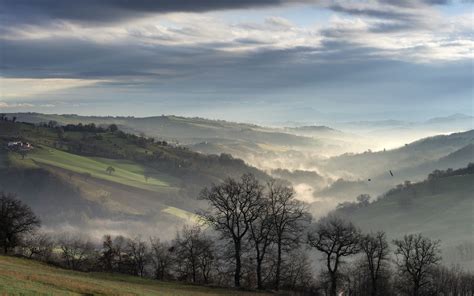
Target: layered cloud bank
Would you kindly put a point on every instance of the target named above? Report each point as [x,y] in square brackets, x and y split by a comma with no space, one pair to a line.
[302,57]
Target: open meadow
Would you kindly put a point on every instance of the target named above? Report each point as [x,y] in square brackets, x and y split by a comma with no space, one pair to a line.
[20,276]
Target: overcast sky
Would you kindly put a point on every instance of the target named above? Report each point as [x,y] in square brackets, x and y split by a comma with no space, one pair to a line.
[259,61]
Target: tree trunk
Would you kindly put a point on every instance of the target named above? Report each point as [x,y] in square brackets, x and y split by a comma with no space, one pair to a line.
[333,290]
[278,267]
[259,274]
[238,265]
[194,272]
[374,287]
[416,290]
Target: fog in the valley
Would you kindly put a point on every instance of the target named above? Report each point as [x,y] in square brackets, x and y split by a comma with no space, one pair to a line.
[289,147]
[346,168]
[368,150]
[96,228]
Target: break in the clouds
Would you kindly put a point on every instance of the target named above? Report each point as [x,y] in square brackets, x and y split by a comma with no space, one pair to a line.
[234,59]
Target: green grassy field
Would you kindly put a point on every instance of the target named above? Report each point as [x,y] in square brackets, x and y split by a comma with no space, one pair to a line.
[126,172]
[27,277]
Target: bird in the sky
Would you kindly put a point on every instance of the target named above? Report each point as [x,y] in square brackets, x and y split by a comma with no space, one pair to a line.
[391,174]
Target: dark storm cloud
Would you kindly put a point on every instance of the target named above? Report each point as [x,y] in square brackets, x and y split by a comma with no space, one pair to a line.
[116,10]
[102,11]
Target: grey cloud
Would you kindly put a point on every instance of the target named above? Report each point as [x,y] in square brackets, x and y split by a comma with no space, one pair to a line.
[101,11]
[183,69]
[395,19]
[338,73]
[370,12]
[114,10]
[413,3]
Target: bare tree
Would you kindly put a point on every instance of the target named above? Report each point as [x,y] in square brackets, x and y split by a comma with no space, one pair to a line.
[137,251]
[416,255]
[76,252]
[194,254]
[261,237]
[161,258]
[121,263]
[233,207]
[108,254]
[297,273]
[452,281]
[376,250]
[38,246]
[288,218]
[16,220]
[207,258]
[335,238]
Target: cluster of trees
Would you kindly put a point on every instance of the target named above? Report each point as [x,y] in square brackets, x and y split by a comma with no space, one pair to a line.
[261,223]
[348,207]
[88,127]
[407,191]
[3,117]
[437,174]
[253,235]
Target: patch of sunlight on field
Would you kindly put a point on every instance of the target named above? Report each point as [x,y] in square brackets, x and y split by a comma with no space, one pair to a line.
[126,172]
[27,277]
[190,217]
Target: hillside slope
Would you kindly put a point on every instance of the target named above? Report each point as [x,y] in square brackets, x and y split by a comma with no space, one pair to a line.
[371,164]
[441,207]
[151,184]
[253,143]
[28,277]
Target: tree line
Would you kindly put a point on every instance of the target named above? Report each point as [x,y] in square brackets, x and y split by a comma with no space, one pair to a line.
[255,236]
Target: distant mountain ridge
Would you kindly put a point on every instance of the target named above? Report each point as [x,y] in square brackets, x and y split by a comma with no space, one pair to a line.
[394,122]
[454,117]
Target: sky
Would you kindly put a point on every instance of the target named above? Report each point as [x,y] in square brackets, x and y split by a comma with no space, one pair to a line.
[259,61]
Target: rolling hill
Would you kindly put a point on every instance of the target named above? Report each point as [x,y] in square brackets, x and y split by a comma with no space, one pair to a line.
[261,146]
[152,183]
[371,164]
[441,207]
[374,173]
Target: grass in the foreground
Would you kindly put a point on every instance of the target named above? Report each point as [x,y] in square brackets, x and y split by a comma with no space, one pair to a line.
[27,277]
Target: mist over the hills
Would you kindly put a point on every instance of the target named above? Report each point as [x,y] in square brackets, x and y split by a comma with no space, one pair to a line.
[271,146]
